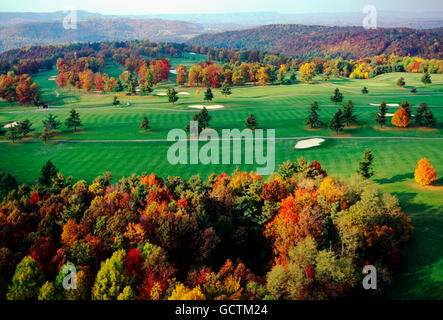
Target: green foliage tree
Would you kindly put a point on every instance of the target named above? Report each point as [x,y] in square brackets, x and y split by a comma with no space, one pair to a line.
[47,292]
[414,90]
[364,90]
[145,88]
[115,102]
[365,165]
[51,122]
[48,172]
[131,84]
[337,97]
[426,79]
[251,122]
[24,127]
[119,86]
[380,117]
[2,130]
[12,133]
[208,95]
[348,113]
[144,124]
[27,280]
[127,294]
[336,122]
[405,105]
[226,90]
[313,119]
[293,76]
[401,82]
[203,118]
[7,183]
[111,278]
[424,116]
[45,134]
[172,95]
[73,120]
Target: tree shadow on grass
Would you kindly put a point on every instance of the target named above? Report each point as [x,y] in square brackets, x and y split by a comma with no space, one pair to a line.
[438,182]
[407,203]
[396,178]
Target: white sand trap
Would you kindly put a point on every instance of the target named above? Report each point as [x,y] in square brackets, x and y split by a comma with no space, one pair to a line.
[310,143]
[211,107]
[184,93]
[161,94]
[388,104]
[11,125]
[173,71]
[192,53]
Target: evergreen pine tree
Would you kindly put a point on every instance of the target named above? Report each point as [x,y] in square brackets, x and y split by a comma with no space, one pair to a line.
[313,119]
[208,95]
[380,117]
[24,127]
[144,124]
[251,122]
[172,95]
[226,90]
[48,172]
[337,97]
[426,79]
[365,165]
[73,120]
[336,122]
[348,115]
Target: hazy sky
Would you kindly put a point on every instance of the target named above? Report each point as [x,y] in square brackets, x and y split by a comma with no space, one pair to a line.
[218,6]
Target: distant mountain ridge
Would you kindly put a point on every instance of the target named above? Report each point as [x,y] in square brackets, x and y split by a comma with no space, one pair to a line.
[347,42]
[14,18]
[91,30]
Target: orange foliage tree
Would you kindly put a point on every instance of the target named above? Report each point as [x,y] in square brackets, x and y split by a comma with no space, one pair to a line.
[401,118]
[425,173]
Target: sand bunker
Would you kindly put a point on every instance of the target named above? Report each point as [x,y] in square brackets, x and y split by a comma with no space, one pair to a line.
[11,125]
[173,71]
[310,143]
[52,78]
[388,104]
[161,94]
[184,93]
[211,107]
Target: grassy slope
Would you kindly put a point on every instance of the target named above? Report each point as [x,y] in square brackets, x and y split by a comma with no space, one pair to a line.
[280,107]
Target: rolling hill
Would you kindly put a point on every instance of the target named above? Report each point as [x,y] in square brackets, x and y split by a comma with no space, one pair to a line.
[347,42]
[91,30]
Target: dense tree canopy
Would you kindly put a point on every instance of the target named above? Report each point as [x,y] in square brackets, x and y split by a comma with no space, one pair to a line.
[303,234]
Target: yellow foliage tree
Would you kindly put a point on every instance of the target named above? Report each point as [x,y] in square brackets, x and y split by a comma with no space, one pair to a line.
[425,173]
[307,71]
[263,76]
[330,190]
[184,293]
[401,118]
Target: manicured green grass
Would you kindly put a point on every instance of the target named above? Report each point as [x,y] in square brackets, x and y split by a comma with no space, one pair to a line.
[283,108]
